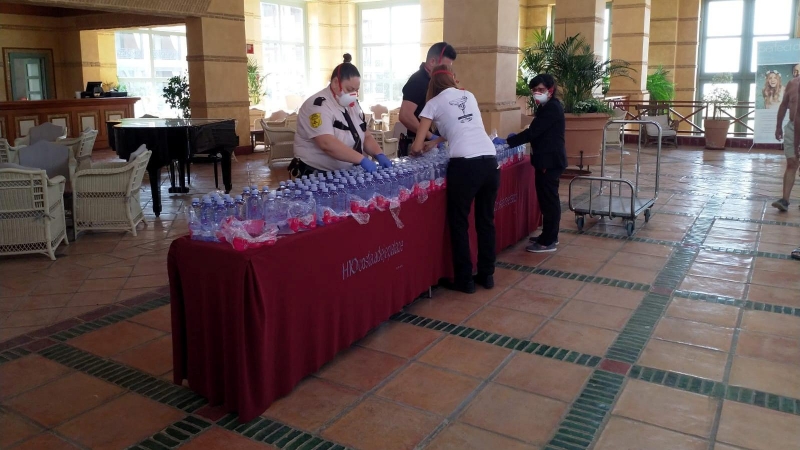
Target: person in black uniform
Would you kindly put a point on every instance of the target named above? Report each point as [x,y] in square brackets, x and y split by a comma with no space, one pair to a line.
[416,90]
[548,157]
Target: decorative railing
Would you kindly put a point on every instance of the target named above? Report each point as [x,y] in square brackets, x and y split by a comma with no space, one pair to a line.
[167,55]
[129,53]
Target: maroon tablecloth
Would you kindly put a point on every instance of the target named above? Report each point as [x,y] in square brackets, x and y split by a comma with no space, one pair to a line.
[248,326]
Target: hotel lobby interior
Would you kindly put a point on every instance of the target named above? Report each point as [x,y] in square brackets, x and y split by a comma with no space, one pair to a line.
[684,334]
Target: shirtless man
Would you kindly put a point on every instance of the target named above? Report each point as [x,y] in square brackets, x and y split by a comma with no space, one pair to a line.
[787,133]
[796,90]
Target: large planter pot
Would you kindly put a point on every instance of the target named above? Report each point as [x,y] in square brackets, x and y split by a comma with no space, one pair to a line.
[584,138]
[716,133]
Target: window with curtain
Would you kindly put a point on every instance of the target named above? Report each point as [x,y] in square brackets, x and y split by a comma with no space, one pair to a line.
[283,36]
[146,59]
[729,41]
[390,50]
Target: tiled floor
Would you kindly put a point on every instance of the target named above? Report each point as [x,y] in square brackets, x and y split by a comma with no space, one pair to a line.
[686,336]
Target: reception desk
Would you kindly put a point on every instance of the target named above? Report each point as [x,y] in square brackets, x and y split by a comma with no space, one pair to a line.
[16,118]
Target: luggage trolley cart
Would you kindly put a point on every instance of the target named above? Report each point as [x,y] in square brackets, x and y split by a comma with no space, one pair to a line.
[611,199]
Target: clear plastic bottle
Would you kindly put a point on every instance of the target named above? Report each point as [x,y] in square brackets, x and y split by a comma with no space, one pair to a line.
[207,219]
[240,207]
[195,219]
[245,194]
[254,207]
[324,207]
[230,206]
[270,211]
[220,214]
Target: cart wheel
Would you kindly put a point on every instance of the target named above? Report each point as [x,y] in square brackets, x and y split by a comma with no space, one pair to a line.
[579,220]
[629,227]
[647,215]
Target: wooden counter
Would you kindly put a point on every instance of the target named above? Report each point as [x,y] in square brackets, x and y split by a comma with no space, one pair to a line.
[75,114]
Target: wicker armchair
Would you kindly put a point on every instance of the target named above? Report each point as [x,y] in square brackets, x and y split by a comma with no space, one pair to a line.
[47,131]
[387,144]
[8,154]
[81,146]
[669,130]
[280,142]
[31,212]
[106,195]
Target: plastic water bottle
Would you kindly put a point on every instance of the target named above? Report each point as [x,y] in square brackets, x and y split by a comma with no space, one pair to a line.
[323,205]
[311,208]
[270,210]
[207,219]
[195,220]
[254,205]
[230,207]
[281,209]
[220,214]
[336,200]
[240,207]
[245,193]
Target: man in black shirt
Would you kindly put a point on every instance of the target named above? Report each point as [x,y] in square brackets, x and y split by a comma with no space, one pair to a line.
[416,88]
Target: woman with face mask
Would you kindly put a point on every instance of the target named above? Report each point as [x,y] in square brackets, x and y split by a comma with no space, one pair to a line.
[331,130]
[548,157]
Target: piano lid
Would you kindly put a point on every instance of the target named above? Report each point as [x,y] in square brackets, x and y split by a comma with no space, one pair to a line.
[166,123]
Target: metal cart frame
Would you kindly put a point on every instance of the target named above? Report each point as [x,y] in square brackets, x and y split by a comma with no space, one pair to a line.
[605,202]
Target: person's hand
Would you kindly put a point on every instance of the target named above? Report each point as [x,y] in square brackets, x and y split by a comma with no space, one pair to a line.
[498,141]
[510,135]
[779,134]
[383,160]
[368,165]
[430,145]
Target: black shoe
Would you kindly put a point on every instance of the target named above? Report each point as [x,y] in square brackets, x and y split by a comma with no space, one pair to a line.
[487,281]
[467,288]
[535,240]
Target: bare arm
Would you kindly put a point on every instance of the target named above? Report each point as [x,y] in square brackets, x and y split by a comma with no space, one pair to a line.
[337,150]
[781,114]
[797,123]
[409,120]
[419,142]
[371,146]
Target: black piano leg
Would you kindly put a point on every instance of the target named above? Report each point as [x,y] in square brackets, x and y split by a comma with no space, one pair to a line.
[180,177]
[155,189]
[226,172]
[189,172]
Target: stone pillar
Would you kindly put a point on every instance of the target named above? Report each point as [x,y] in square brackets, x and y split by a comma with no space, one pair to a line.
[686,50]
[218,68]
[533,15]
[581,16]
[630,39]
[431,26]
[69,70]
[331,34]
[485,33]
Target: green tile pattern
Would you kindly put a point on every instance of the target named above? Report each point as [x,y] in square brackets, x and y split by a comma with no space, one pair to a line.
[574,276]
[276,434]
[746,304]
[737,251]
[134,380]
[633,338]
[174,435]
[14,353]
[588,412]
[619,237]
[110,319]
[499,340]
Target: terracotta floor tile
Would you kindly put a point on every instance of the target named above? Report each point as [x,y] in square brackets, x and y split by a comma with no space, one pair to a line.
[472,358]
[668,408]
[641,261]
[719,271]
[694,333]
[673,236]
[142,269]
[720,315]
[399,339]
[147,281]
[544,376]
[28,372]
[217,438]
[311,404]
[577,251]
[75,394]
[73,311]
[31,318]
[93,298]
[95,261]
[777,279]
[507,277]
[119,423]
[598,242]
[458,436]
[776,265]
[43,302]
[728,259]
[154,357]
[8,333]
[159,318]
[46,441]
[527,417]
[647,249]
[529,302]
[549,285]
[428,388]
[103,284]
[573,336]
[446,309]
[57,286]
[575,265]
[757,428]
[767,346]
[611,296]
[686,359]
[521,257]
[771,323]
[594,314]
[768,376]
[481,296]
[14,429]
[627,273]
[774,295]
[115,338]
[378,424]
[127,294]
[360,368]
[505,321]
[110,272]
[624,434]
[8,304]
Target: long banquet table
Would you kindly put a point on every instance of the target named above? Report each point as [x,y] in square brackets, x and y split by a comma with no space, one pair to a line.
[248,326]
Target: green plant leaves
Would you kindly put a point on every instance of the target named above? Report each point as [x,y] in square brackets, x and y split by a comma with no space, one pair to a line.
[176,93]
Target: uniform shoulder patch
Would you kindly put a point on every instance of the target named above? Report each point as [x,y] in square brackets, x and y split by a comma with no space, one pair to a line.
[315,120]
[318,101]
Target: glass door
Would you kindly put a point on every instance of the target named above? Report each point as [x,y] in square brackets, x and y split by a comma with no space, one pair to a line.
[29,78]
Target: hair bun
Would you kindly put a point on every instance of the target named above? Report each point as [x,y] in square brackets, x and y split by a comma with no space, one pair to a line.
[348,57]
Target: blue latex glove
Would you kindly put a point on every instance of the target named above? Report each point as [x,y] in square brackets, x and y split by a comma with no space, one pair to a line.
[383,161]
[498,141]
[368,165]
[510,135]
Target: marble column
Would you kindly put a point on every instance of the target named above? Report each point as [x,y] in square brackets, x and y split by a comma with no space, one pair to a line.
[687,50]
[630,39]
[218,68]
[581,16]
[485,33]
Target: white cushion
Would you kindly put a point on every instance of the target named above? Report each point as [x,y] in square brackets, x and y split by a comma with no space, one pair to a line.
[142,148]
[52,157]
[16,166]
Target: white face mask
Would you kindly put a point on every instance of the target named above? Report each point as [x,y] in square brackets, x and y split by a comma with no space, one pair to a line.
[347,100]
[541,97]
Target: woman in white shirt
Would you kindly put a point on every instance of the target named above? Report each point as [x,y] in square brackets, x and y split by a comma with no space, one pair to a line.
[471,175]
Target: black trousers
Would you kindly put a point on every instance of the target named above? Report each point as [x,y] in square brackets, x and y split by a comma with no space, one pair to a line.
[472,179]
[549,203]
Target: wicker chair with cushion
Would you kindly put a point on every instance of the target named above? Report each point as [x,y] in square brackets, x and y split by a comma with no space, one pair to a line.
[47,131]
[381,115]
[387,143]
[280,142]
[106,195]
[8,154]
[669,130]
[31,211]
[81,146]
[615,132]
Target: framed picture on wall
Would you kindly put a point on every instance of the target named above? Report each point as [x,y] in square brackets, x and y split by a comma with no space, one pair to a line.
[30,73]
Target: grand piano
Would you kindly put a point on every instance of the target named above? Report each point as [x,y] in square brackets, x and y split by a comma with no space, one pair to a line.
[173,143]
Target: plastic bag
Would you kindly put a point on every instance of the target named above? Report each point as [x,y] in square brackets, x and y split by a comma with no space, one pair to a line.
[359,209]
[246,234]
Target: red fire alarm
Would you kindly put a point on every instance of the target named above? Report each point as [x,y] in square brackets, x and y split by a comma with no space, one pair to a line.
[249,48]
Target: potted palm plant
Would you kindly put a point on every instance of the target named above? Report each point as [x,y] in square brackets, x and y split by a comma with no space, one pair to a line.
[580,75]
[177,95]
[716,128]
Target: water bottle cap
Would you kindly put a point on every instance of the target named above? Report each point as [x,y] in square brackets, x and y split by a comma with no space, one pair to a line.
[195,200]
[314,189]
[246,189]
[304,177]
[309,194]
[220,202]
[325,190]
[238,197]
[253,188]
[298,192]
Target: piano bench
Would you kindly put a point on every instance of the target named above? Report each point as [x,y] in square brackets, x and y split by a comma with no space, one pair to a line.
[215,158]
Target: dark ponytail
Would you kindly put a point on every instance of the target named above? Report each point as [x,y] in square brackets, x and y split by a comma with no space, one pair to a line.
[346,70]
